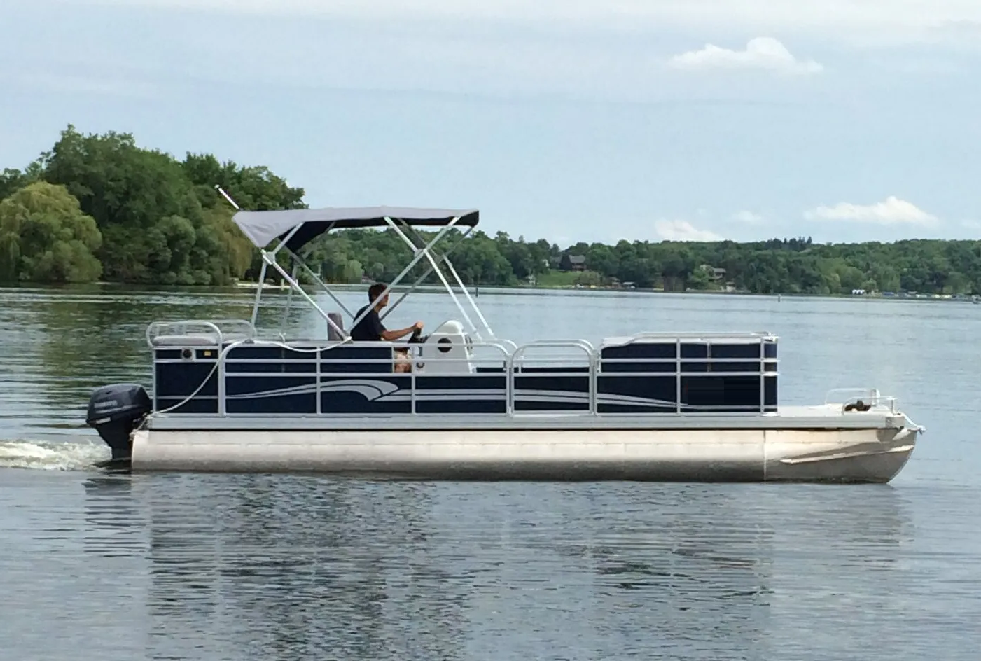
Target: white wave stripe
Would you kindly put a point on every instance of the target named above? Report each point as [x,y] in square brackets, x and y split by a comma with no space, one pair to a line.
[602,398]
[373,390]
[39,455]
[370,390]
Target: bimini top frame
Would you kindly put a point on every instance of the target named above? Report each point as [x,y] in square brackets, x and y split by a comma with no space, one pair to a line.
[295,228]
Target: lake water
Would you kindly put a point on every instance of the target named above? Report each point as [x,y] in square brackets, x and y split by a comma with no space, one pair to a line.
[96,566]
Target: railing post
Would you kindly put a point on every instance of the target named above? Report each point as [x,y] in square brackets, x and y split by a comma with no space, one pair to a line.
[221,380]
[594,363]
[154,352]
[677,365]
[320,352]
[762,377]
[509,383]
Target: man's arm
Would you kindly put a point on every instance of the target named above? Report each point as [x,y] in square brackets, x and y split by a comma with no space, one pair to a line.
[392,335]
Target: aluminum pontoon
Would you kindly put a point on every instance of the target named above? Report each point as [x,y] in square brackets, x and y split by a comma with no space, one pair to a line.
[649,406]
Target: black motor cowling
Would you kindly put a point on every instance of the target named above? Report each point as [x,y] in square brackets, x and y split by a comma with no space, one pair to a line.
[115,411]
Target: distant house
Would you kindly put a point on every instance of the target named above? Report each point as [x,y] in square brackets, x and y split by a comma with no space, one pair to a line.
[714,273]
[573,262]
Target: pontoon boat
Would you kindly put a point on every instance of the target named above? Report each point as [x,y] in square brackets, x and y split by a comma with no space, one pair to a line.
[648,406]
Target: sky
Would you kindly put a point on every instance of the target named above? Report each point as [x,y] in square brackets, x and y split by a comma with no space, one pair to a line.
[570,120]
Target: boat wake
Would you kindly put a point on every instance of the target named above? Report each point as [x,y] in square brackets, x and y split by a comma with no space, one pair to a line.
[54,456]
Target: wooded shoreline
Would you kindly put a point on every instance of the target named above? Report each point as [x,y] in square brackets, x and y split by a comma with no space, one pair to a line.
[101,208]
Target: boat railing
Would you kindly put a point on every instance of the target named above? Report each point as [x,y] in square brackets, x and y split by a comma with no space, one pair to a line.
[519,354]
[857,398]
[543,362]
[694,336]
[204,331]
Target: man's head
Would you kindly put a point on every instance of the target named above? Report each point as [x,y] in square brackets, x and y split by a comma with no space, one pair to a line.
[374,292]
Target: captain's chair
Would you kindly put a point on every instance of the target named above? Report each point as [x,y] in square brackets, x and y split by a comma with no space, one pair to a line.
[332,334]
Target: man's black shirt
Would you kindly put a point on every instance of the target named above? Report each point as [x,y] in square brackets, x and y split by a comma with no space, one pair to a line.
[370,328]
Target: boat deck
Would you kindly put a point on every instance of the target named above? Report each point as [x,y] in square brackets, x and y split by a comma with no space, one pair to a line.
[823,417]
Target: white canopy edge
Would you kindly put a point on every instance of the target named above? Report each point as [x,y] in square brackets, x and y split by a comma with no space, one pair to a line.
[263,226]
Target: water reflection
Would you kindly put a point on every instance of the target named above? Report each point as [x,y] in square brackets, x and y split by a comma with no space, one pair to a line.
[294,567]
[59,343]
[114,519]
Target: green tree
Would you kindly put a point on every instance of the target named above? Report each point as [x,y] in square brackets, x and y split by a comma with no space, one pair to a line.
[252,188]
[45,237]
[127,190]
[158,226]
[700,280]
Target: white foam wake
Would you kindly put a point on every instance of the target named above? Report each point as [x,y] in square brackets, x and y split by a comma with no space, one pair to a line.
[45,455]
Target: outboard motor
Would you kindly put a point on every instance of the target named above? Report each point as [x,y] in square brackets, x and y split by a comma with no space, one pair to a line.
[115,411]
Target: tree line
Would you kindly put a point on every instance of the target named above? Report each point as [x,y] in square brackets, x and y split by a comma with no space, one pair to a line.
[99,207]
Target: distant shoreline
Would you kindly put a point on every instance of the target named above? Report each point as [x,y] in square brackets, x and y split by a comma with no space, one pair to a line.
[633,290]
[348,287]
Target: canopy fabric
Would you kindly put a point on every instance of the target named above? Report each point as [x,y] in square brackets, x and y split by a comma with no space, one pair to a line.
[264,226]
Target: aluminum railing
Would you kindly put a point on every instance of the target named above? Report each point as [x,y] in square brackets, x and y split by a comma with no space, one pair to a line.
[510,361]
[198,327]
[864,396]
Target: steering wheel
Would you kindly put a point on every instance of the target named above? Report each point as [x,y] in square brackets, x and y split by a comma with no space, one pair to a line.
[418,337]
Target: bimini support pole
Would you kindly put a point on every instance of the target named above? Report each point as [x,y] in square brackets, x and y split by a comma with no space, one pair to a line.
[415,260]
[258,292]
[297,260]
[466,293]
[445,257]
[262,271]
[422,277]
[439,273]
[309,271]
[270,258]
[289,303]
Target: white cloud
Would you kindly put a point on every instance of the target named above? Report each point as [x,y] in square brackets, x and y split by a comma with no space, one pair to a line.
[763,53]
[748,217]
[892,211]
[682,230]
[971,224]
